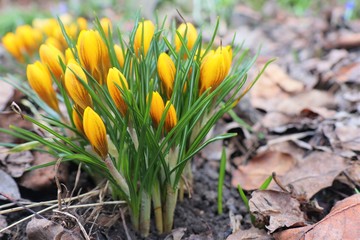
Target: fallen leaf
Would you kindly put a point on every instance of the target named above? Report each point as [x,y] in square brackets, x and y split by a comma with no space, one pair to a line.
[348,73]
[313,173]
[341,223]
[6,93]
[15,163]
[8,186]
[252,175]
[12,118]
[248,234]
[349,136]
[176,234]
[3,224]
[275,210]
[43,177]
[43,229]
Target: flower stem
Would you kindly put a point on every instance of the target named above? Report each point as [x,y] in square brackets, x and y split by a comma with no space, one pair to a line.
[145,212]
[156,198]
[170,204]
[120,180]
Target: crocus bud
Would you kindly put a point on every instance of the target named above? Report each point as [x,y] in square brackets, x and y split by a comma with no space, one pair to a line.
[156,108]
[51,56]
[78,119]
[214,68]
[29,37]
[116,80]
[40,81]
[93,54]
[74,87]
[106,25]
[69,56]
[190,37]
[166,70]
[119,55]
[13,46]
[95,131]
[170,119]
[143,36]
[82,23]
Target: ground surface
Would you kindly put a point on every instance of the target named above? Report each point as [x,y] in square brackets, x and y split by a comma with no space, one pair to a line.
[305,120]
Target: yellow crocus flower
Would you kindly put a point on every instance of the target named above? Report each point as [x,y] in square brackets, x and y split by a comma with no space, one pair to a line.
[116,79]
[74,87]
[51,56]
[13,46]
[119,55]
[82,23]
[29,37]
[156,108]
[69,56]
[143,36]
[171,118]
[106,25]
[166,70]
[214,68]
[78,119]
[55,42]
[40,81]
[95,131]
[190,37]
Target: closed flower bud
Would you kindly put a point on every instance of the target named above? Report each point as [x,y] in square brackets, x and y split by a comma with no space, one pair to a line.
[69,56]
[214,68]
[170,119]
[13,46]
[116,80]
[54,41]
[166,70]
[74,87]
[106,25]
[189,38]
[78,119]
[51,56]
[93,54]
[95,131]
[29,37]
[119,55]
[82,23]
[40,81]
[156,108]
[143,36]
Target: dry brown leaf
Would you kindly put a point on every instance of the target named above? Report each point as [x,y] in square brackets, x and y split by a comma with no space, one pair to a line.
[313,173]
[6,93]
[349,136]
[8,186]
[349,73]
[297,103]
[275,209]
[274,87]
[15,163]
[7,118]
[341,223]
[248,234]
[252,175]
[43,229]
[43,177]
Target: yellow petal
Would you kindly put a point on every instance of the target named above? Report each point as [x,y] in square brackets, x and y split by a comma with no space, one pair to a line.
[40,81]
[69,56]
[166,70]
[13,46]
[170,119]
[106,25]
[119,55]
[95,131]
[29,37]
[116,79]
[50,56]
[74,87]
[82,23]
[156,108]
[78,119]
[143,36]
[190,37]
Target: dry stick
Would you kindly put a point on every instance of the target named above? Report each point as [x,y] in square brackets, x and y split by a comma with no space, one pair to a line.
[124,224]
[58,185]
[77,179]
[48,202]
[78,222]
[27,218]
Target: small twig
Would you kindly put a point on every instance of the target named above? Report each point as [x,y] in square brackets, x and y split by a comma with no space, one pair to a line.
[78,222]
[27,218]
[277,181]
[31,205]
[124,224]
[77,179]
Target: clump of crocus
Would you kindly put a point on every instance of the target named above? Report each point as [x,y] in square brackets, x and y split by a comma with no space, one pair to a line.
[144,105]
